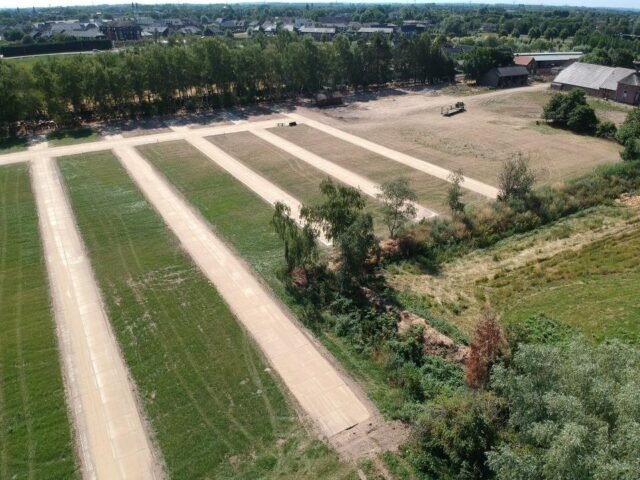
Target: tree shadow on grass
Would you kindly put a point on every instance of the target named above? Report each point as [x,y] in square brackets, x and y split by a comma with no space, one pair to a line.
[75,134]
[13,143]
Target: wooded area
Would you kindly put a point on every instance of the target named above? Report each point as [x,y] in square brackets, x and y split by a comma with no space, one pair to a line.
[207,73]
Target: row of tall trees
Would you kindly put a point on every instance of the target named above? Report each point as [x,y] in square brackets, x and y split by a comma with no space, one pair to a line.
[207,73]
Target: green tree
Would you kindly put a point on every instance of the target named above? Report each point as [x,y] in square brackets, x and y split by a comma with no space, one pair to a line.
[339,210]
[355,245]
[583,119]
[397,199]
[516,179]
[300,248]
[454,193]
[479,61]
[574,413]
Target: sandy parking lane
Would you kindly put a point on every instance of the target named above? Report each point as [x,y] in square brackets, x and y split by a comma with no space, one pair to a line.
[111,439]
[345,176]
[314,382]
[421,165]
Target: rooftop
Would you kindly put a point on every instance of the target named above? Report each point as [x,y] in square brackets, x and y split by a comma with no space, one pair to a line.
[593,77]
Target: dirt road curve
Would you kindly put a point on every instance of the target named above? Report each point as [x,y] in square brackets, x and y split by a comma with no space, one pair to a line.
[313,381]
[112,441]
[426,167]
[345,176]
[258,184]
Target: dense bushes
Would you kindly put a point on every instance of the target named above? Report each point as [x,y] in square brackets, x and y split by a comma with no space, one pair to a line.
[574,413]
[432,241]
[571,111]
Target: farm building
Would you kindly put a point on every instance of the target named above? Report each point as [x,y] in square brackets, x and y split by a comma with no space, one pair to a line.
[544,63]
[504,77]
[613,83]
[318,33]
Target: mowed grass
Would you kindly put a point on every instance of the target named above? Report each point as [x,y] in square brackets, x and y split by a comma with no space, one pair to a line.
[35,433]
[291,174]
[431,191]
[243,219]
[61,138]
[216,409]
[593,289]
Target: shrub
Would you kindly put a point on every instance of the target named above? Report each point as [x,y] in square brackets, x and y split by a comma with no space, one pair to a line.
[607,129]
[582,119]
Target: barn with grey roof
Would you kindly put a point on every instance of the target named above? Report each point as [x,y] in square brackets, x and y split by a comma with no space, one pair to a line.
[612,83]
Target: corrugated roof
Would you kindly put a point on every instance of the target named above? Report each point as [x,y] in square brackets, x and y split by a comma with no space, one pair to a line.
[594,77]
[632,80]
[551,56]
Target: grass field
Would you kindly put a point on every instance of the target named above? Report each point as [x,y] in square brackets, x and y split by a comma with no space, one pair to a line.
[35,433]
[294,176]
[61,138]
[242,218]
[594,289]
[216,410]
[431,191]
[582,271]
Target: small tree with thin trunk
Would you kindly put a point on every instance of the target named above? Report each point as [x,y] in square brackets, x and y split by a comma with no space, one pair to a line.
[484,351]
[397,198]
[516,179]
[300,248]
[454,193]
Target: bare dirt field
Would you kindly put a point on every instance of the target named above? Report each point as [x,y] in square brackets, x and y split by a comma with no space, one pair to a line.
[431,190]
[495,126]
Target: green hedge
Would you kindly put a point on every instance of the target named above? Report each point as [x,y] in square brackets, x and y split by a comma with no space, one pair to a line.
[42,48]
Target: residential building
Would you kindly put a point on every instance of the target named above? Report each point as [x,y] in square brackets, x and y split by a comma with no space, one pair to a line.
[122,30]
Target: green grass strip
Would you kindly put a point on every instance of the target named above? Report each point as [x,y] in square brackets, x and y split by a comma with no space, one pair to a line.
[242,218]
[35,433]
[216,410]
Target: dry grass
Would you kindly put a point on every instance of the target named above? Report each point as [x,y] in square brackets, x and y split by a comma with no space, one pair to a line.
[431,191]
[465,286]
[293,175]
[494,127]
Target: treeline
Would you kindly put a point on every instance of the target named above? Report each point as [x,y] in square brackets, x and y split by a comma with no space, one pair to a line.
[208,73]
[56,47]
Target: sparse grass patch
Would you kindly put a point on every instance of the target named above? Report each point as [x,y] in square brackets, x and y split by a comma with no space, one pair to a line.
[35,432]
[216,409]
[61,138]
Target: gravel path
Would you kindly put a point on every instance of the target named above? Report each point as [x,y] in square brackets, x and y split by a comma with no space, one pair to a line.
[111,438]
[345,176]
[318,387]
[426,167]
[257,183]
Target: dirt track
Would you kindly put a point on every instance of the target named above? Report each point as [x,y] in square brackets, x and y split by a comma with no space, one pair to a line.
[258,184]
[347,177]
[313,381]
[421,165]
[111,439]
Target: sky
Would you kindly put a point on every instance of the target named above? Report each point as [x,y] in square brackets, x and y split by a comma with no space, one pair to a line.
[580,3]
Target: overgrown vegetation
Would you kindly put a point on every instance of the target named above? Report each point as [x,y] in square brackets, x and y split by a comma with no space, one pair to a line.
[35,431]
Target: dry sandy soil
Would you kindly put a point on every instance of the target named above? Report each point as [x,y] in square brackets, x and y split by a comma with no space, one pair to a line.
[495,126]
